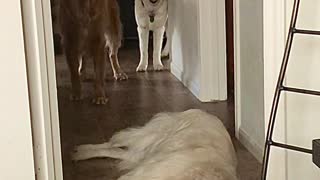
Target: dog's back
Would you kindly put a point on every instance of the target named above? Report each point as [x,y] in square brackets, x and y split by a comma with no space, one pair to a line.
[90,19]
[91,28]
[180,146]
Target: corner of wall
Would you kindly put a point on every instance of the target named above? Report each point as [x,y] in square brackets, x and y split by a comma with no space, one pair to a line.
[251,145]
[193,86]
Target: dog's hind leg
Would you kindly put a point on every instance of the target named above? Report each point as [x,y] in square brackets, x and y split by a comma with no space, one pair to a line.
[157,46]
[87,147]
[122,139]
[118,73]
[128,137]
[83,68]
[116,153]
[143,43]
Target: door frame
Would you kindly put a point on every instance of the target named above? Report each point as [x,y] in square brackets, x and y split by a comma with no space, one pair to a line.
[275,33]
[237,68]
[37,26]
[43,89]
[274,37]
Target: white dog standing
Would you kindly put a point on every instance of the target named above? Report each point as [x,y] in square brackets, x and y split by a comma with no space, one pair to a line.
[192,145]
[151,15]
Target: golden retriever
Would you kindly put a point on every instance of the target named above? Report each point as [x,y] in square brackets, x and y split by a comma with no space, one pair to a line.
[91,29]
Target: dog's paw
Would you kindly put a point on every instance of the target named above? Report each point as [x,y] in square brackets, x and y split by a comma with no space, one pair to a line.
[120,76]
[158,67]
[142,68]
[100,100]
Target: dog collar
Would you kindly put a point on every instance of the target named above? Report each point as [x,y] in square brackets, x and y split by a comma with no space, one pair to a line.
[151,17]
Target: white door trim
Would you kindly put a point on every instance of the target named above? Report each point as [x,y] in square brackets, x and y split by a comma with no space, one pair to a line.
[237,60]
[213,51]
[275,34]
[274,38]
[42,88]
[274,19]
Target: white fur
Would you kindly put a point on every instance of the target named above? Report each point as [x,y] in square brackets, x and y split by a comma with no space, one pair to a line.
[143,9]
[192,145]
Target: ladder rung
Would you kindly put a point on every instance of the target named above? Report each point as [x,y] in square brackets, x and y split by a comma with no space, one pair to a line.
[301,91]
[290,147]
[303,31]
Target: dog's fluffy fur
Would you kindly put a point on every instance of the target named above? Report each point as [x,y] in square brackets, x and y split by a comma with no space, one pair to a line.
[191,145]
[145,10]
[91,28]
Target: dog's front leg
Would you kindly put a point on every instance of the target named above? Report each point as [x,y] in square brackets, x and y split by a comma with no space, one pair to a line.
[143,43]
[166,49]
[157,46]
[74,64]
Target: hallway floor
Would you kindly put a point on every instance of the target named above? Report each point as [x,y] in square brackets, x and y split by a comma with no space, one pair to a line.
[131,103]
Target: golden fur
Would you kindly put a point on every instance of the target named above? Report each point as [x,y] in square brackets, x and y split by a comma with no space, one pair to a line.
[91,29]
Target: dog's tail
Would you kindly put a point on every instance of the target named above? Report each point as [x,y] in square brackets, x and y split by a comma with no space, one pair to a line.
[115,26]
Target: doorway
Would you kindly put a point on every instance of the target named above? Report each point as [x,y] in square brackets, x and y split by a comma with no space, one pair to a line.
[128,20]
[230,46]
[131,103]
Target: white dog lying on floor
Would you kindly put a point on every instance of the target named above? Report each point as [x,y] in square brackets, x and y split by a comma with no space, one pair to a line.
[192,145]
[151,15]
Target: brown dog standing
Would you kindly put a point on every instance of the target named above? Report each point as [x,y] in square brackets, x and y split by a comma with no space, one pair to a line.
[91,28]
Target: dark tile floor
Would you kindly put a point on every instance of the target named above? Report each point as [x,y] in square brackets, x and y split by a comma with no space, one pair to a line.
[131,103]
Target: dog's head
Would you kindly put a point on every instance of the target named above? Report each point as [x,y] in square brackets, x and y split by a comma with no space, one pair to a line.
[152,5]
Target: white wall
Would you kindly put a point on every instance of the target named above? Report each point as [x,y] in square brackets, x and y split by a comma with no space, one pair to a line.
[303,112]
[297,122]
[185,53]
[197,33]
[251,72]
[15,131]
[274,44]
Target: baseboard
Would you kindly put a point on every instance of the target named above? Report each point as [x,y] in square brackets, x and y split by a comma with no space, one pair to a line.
[192,86]
[250,144]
